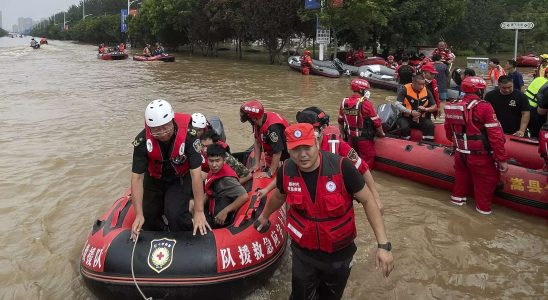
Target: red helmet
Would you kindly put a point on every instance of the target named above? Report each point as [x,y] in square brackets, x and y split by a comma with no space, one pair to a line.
[251,110]
[473,84]
[359,84]
[390,57]
[306,52]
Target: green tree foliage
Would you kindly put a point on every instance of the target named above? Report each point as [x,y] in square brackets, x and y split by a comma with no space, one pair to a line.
[3,32]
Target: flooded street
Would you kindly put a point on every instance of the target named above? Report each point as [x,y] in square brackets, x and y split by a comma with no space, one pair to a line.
[69,120]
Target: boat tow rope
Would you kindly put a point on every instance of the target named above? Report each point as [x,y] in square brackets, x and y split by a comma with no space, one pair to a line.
[133,273]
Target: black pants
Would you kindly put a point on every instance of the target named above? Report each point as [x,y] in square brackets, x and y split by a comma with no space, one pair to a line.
[425,125]
[314,279]
[170,199]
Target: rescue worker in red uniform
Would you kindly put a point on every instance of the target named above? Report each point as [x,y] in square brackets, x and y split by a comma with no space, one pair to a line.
[320,187]
[359,122]
[268,130]
[166,173]
[225,194]
[334,144]
[306,63]
[390,62]
[478,139]
[416,103]
[542,110]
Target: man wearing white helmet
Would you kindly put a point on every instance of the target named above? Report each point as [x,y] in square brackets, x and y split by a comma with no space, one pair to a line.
[166,172]
[200,124]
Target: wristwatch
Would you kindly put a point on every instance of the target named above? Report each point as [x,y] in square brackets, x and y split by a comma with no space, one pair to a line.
[387,246]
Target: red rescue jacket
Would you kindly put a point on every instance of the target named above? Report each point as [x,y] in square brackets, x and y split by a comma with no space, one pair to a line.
[358,117]
[225,171]
[260,135]
[327,222]
[177,157]
[334,144]
[472,125]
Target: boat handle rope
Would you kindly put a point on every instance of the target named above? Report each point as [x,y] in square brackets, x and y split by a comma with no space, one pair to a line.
[133,273]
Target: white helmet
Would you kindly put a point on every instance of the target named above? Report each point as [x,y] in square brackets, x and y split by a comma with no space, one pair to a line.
[158,113]
[199,121]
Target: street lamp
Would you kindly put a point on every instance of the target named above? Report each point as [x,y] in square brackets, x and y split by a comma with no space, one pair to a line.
[83,9]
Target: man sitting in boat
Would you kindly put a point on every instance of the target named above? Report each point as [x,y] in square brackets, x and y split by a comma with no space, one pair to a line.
[268,130]
[166,172]
[306,63]
[225,194]
[210,138]
[358,121]
[122,47]
[159,49]
[416,104]
[480,156]
[33,43]
[319,188]
[146,51]
[543,135]
[390,62]
[102,49]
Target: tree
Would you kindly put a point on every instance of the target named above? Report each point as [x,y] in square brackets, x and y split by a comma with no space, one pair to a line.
[273,22]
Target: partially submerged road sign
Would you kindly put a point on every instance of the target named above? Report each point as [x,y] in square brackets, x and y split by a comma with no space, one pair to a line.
[517,25]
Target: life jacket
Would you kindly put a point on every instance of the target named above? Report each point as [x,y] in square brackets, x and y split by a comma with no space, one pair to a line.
[327,222]
[261,134]
[536,87]
[177,157]
[225,171]
[495,73]
[468,138]
[413,99]
[356,124]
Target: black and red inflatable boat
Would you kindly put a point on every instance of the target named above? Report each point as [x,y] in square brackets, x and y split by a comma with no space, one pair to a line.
[225,264]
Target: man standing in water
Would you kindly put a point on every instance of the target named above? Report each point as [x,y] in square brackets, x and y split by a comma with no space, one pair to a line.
[166,172]
[319,188]
[472,125]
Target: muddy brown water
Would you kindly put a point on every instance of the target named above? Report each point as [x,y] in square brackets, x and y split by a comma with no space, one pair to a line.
[69,119]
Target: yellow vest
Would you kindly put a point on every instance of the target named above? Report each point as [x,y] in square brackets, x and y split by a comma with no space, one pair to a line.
[532,90]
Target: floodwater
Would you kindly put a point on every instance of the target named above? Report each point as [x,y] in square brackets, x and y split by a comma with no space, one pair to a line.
[69,119]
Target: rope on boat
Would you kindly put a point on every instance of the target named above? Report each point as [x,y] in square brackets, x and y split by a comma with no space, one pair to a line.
[133,273]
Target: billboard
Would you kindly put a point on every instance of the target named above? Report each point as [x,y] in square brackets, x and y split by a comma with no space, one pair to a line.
[312,4]
[123,16]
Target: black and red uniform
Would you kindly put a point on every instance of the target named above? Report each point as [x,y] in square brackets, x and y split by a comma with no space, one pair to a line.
[477,135]
[321,224]
[167,182]
[271,136]
[360,122]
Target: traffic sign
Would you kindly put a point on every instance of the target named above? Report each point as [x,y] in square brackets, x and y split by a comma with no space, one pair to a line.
[517,25]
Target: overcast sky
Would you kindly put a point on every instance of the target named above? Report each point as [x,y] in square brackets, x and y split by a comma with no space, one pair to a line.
[35,9]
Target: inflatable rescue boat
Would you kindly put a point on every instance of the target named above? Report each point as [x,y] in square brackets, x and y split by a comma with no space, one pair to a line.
[160,57]
[112,56]
[295,64]
[226,263]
